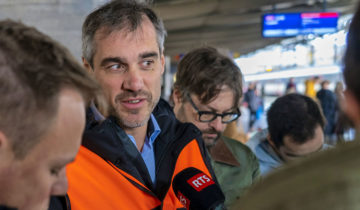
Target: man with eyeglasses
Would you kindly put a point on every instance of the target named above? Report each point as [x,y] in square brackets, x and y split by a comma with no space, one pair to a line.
[207,93]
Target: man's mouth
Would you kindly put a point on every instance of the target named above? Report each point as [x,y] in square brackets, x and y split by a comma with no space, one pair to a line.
[132,104]
[135,101]
[211,135]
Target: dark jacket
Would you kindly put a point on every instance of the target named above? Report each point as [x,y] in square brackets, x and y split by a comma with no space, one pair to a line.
[329,106]
[111,143]
[252,99]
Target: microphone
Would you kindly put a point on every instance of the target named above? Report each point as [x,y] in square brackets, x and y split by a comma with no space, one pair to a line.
[196,190]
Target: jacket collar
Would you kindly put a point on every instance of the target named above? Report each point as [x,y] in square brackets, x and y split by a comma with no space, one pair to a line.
[110,142]
[220,152]
[266,153]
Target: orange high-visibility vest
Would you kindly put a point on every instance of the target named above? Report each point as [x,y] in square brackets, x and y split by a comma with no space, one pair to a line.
[95,183]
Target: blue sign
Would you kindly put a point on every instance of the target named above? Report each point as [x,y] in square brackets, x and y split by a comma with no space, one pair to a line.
[293,24]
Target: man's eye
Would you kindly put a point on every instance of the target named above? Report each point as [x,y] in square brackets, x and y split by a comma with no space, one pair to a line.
[148,64]
[116,67]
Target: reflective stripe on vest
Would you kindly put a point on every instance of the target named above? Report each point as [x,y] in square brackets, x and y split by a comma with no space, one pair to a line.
[97,184]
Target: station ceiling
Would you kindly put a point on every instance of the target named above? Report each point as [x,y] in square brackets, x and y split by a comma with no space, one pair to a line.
[234,25]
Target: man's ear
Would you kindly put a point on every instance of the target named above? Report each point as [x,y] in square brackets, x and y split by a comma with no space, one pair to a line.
[177,100]
[268,137]
[176,96]
[3,140]
[272,144]
[5,147]
[87,65]
[162,61]
[352,107]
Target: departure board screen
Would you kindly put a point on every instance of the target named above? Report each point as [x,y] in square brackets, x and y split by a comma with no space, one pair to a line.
[293,24]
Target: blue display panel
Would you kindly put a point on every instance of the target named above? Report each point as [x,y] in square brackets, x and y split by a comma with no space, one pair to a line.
[293,24]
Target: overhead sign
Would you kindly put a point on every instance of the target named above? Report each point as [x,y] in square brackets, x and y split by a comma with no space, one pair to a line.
[293,24]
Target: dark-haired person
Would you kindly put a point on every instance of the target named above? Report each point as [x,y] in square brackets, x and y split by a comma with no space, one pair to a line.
[329,107]
[43,93]
[295,129]
[207,93]
[130,159]
[327,180]
[252,100]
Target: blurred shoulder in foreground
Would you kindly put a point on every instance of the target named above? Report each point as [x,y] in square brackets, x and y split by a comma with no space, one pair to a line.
[328,180]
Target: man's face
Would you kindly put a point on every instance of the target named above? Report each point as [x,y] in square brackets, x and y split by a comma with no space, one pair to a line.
[129,66]
[28,183]
[211,131]
[292,150]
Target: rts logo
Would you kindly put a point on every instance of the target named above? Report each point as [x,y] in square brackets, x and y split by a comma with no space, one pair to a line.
[200,181]
[183,200]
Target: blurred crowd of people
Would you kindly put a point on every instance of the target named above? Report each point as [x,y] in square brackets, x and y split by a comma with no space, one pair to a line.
[338,127]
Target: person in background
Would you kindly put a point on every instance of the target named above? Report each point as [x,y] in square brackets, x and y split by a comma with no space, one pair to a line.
[329,107]
[43,93]
[207,93]
[129,160]
[310,86]
[344,128]
[252,100]
[295,130]
[329,180]
[339,93]
[290,86]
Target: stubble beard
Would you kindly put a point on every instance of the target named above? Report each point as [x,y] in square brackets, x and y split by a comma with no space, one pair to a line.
[210,142]
[122,117]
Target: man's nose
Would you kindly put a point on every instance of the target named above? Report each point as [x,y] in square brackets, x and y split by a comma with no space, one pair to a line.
[133,80]
[217,124]
[61,184]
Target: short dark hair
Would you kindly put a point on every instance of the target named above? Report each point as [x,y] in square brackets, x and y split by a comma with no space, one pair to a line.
[352,56]
[204,71]
[118,15]
[33,71]
[294,115]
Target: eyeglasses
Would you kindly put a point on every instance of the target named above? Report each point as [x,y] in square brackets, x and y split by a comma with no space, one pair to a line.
[206,116]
